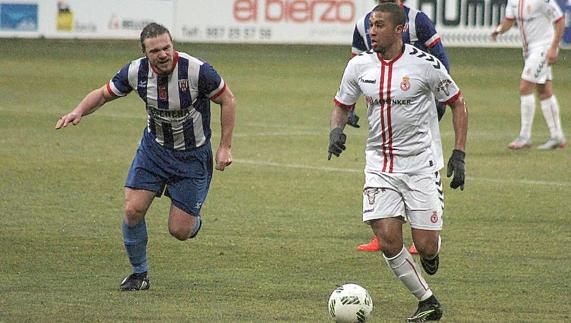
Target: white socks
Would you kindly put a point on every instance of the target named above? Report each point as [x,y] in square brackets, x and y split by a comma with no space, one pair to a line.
[407,271]
[527,113]
[550,109]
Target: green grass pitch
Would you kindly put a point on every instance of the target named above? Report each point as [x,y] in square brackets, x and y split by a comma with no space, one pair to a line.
[282,223]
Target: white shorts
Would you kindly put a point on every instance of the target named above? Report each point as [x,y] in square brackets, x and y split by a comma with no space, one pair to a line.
[417,198]
[536,69]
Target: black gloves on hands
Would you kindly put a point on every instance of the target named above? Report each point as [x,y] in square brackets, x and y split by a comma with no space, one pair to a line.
[336,142]
[456,167]
[353,119]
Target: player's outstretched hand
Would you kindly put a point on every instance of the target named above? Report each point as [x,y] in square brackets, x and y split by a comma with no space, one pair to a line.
[336,142]
[72,117]
[223,158]
[456,167]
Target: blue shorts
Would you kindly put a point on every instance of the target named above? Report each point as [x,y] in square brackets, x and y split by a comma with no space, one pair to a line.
[184,176]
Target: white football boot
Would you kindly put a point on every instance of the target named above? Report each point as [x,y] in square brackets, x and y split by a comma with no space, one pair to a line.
[553,143]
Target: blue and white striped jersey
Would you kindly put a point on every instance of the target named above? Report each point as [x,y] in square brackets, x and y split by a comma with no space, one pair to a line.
[178,104]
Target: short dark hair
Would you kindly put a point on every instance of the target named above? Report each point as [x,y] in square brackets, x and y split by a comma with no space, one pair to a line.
[397,13]
[153,30]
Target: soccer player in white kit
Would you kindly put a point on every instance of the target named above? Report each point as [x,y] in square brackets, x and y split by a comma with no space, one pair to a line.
[541,27]
[400,84]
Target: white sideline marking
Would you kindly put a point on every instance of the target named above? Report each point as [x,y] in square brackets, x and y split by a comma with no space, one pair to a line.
[278,134]
[284,130]
[352,170]
[273,164]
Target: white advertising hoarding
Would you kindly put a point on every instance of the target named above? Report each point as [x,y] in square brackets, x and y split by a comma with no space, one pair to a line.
[269,21]
[112,18]
[97,19]
[459,22]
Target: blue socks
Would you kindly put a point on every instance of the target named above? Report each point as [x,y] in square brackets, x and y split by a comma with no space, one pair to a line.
[135,239]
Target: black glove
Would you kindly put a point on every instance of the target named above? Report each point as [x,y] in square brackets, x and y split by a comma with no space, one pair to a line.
[456,166]
[440,110]
[336,142]
[353,119]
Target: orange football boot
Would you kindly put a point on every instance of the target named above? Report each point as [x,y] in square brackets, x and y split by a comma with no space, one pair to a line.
[412,250]
[373,245]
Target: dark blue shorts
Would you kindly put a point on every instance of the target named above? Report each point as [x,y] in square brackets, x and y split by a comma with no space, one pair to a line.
[184,176]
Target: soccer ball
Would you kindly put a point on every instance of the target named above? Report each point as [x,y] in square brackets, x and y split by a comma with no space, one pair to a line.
[350,303]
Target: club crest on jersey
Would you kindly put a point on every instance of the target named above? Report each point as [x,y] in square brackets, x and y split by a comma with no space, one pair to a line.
[434,217]
[162,92]
[371,194]
[183,85]
[405,84]
[444,86]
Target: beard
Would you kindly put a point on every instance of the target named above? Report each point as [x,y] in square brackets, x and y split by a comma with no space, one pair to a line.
[163,66]
[380,49]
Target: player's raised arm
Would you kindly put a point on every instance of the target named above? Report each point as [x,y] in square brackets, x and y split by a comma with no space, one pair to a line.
[227,103]
[89,104]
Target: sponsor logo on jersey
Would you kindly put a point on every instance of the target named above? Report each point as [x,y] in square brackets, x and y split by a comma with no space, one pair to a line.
[405,84]
[173,115]
[392,101]
[362,80]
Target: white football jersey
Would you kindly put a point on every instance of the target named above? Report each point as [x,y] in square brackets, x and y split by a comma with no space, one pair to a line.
[535,19]
[400,98]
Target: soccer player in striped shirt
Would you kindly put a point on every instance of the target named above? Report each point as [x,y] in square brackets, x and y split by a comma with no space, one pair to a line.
[402,181]
[541,25]
[420,32]
[175,154]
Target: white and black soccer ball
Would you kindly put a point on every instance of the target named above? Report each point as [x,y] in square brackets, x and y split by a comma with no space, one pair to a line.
[350,303]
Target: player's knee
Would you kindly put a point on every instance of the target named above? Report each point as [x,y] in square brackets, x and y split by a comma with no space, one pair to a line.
[392,244]
[133,215]
[526,88]
[545,94]
[427,248]
[184,232]
[180,233]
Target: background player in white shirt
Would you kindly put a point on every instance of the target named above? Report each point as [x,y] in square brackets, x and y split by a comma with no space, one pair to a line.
[541,27]
[400,84]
